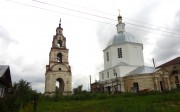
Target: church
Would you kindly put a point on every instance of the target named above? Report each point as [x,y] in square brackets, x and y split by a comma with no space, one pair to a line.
[124,69]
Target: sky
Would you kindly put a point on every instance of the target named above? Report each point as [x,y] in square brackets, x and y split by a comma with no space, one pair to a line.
[27,28]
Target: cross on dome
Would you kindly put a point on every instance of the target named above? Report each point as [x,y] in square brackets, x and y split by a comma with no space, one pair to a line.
[119,17]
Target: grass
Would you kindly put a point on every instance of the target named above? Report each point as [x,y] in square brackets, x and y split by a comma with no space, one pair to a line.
[125,102]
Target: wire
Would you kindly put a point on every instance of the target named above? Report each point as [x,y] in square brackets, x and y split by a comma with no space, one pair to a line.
[103,17]
[154,29]
[116,15]
[57,12]
[91,19]
[73,10]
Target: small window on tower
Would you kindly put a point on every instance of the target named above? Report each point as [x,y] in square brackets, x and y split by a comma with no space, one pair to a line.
[59,69]
[107,55]
[119,52]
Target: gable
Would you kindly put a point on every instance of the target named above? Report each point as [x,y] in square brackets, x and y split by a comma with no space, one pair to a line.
[5,76]
[171,62]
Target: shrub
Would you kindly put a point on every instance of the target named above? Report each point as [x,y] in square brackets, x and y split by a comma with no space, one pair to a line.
[20,98]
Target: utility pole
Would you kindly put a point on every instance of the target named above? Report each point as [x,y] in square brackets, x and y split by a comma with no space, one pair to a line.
[90,82]
[154,63]
[116,83]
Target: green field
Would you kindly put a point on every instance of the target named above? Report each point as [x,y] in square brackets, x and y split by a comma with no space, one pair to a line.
[124,102]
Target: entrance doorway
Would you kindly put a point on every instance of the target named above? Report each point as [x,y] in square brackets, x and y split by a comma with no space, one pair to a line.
[109,89]
[136,86]
[161,85]
[59,86]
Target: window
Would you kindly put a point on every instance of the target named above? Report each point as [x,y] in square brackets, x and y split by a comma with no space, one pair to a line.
[107,74]
[119,53]
[102,76]
[1,92]
[107,55]
[59,69]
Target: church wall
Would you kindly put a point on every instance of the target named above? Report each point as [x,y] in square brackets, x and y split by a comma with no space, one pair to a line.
[107,64]
[172,82]
[132,54]
[111,73]
[145,82]
[169,70]
[115,59]
[120,70]
[135,54]
[123,70]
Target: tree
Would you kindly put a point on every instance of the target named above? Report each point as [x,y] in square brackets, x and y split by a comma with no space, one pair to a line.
[24,92]
[78,89]
[22,95]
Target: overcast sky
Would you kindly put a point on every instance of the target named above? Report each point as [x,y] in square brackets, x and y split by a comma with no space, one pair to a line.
[27,28]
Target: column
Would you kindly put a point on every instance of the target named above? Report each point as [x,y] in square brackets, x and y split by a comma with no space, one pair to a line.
[157,86]
[169,86]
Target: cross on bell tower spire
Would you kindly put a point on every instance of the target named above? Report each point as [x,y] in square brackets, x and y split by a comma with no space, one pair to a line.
[60,23]
[59,30]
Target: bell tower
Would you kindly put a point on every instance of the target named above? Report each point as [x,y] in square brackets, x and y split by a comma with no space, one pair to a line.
[58,76]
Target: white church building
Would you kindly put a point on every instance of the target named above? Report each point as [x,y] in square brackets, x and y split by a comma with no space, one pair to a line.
[123,56]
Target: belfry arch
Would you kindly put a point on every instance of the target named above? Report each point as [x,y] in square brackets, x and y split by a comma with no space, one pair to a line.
[58,78]
[59,43]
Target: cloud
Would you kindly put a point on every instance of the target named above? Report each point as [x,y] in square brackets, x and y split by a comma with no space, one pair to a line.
[104,33]
[168,47]
[5,42]
[38,86]
[5,38]
[80,79]
[36,80]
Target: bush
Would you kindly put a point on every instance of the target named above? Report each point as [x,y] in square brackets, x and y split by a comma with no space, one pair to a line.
[19,99]
[27,108]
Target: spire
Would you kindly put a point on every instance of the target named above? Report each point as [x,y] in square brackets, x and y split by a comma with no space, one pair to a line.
[59,30]
[120,26]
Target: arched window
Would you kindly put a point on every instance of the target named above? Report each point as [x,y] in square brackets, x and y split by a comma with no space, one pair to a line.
[59,57]
[59,43]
